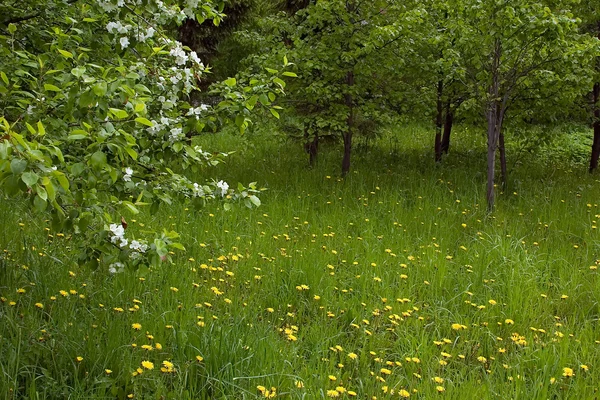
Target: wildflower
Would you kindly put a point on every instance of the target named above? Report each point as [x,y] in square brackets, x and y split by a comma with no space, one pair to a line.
[136,326]
[404,394]
[385,371]
[21,291]
[199,358]
[352,356]
[332,378]
[568,372]
[585,367]
[108,371]
[333,393]
[147,365]
[440,389]
[167,367]
[39,305]
[79,359]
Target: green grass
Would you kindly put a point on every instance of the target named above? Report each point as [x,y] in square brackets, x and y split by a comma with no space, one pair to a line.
[391,258]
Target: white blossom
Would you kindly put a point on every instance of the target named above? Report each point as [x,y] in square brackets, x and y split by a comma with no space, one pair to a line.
[116,268]
[124,41]
[128,173]
[224,186]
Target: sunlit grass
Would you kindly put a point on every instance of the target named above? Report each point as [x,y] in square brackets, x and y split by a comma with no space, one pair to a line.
[392,283]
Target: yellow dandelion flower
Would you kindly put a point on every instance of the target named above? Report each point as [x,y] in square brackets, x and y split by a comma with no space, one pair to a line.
[404,394]
[568,372]
[147,365]
[136,326]
[440,389]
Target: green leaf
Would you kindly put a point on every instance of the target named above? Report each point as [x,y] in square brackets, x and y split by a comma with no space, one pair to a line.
[51,88]
[62,180]
[12,28]
[144,121]
[50,189]
[289,73]
[129,205]
[30,128]
[41,192]
[100,89]
[161,247]
[17,166]
[251,102]
[98,159]
[279,81]
[230,82]
[255,200]
[275,113]
[139,107]
[65,53]
[41,128]
[4,77]
[30,178]
[118,113]
[132,153]
[178,246]
[39,203]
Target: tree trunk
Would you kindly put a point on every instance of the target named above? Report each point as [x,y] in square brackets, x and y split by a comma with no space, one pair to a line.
[596,93]
[493,130]
[596,143]
[438,122]
[311,146]
[502,150]
[447,129]
[350,124]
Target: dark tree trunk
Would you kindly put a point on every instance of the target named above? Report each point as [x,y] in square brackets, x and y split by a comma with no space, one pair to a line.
[447,129]
[350,124]
[596,143]
[438,122]
[502,150]
[311,147]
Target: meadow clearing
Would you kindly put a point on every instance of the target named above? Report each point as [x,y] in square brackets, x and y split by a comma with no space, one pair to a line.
[392,283]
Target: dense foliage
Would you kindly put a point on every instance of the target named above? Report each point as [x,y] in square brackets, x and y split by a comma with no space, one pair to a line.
[97,118]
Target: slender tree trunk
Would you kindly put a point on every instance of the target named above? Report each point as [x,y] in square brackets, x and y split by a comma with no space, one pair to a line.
[596,96]
[311,146]
[438,122]
[502,149]
[493,130]
[350,124]
[596,144]
[449,120]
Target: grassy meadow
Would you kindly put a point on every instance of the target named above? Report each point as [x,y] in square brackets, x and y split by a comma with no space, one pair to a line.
[392,283]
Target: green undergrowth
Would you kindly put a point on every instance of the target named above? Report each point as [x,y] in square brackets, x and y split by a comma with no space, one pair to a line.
[393,282]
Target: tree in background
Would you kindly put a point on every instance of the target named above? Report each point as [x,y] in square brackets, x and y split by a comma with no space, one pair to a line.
[504,47]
